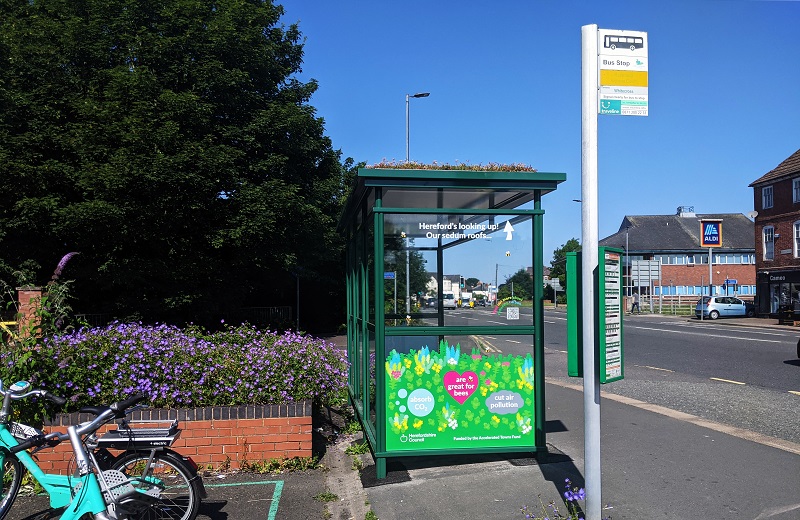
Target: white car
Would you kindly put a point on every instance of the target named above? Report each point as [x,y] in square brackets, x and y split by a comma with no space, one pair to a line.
[449,301]
[723,306]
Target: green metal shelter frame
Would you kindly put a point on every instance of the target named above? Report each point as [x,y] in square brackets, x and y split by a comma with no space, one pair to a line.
[412,398]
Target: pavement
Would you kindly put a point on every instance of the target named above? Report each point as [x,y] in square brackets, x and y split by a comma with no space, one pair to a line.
[657,464]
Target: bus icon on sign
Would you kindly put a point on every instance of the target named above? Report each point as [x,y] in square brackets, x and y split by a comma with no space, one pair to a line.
[630,42]
[711,234]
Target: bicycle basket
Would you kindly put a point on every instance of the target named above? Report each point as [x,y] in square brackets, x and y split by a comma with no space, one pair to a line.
[23,432]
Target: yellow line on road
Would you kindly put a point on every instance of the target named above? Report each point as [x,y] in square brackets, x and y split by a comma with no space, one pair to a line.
[727,381]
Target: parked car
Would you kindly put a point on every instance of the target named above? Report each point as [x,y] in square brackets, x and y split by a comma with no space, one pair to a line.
[713,307]
[448,301]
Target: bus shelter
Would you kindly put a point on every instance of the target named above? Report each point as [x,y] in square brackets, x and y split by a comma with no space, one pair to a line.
[442,265]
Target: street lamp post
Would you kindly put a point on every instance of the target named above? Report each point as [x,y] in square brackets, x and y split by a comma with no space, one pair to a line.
[409,96]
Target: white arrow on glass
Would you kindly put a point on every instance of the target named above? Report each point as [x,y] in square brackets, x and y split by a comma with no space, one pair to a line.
[508,230]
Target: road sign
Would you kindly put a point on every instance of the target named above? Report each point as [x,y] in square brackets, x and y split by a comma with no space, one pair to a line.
[623,75]
[388,275]
[644,272]
[710,233]
[731,282]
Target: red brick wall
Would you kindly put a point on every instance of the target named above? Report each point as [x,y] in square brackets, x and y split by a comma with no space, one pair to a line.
[214,435]
[745,274]
[784,226]
[29,299]
[782,216]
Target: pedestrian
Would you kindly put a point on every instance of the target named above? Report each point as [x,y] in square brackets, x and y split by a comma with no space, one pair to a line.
[635,304]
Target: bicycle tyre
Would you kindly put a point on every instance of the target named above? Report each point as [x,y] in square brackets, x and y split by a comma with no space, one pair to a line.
[12,481]
[181,497]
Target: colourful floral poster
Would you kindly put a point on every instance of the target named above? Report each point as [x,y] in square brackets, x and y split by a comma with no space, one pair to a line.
[450,400]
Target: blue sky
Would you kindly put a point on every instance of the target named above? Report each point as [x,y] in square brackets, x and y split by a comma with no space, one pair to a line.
[504,78]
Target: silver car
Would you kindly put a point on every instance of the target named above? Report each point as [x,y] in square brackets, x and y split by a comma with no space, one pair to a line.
[726,306]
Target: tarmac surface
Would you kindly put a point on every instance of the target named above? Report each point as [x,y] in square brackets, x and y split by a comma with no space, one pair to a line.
[660,477]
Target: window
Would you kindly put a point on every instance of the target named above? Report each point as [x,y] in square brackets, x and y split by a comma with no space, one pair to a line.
[797,239]
[796,190]
[766,197]
[769,243]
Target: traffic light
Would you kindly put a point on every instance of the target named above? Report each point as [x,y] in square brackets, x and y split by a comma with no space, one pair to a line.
[462,282]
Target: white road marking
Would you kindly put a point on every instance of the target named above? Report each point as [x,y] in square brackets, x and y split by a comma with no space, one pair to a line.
[727,381]
[741,433]
[703,334]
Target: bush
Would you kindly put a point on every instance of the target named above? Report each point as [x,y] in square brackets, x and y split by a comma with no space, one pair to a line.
[180,367]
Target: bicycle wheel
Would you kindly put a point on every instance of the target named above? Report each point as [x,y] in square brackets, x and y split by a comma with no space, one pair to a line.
[180,496]
[12,480]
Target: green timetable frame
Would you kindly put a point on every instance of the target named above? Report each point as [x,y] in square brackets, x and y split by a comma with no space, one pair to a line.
[610,312]
[609,318]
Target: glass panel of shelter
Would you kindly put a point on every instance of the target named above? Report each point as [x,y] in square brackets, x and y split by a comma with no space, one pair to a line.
[479,255]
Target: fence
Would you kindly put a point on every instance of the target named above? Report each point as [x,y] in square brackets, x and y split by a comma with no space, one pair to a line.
[263,316]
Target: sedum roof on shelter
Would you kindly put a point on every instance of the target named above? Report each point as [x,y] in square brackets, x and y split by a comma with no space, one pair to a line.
[456,189]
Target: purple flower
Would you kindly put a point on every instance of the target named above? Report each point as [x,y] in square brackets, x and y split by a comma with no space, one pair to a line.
[62,264]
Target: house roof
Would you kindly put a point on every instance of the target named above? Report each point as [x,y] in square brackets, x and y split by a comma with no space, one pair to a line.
[676,233]
[791,166]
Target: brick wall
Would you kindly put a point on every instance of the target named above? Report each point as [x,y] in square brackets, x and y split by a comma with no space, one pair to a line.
[745,274]
[782,216]
[29,299]
[213,435]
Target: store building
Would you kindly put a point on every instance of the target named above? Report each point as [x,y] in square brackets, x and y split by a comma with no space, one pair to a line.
[673,243]
[776,199]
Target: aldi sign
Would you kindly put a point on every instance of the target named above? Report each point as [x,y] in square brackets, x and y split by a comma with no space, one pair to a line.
[710,233]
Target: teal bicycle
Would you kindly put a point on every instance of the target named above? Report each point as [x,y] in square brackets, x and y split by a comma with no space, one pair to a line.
[147,481]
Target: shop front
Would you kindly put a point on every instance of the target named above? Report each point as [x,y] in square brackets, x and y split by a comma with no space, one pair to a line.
[778,293]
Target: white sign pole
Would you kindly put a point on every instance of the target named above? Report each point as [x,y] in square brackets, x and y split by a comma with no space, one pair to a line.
[589,269]
[710,275]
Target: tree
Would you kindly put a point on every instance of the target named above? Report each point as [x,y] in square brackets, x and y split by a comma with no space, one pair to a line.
[170,143]
[520,283]
[471,282]
[396,261]
[558,266]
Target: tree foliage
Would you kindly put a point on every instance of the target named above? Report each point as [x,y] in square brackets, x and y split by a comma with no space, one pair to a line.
[519,285]
[170,143]
[558,266]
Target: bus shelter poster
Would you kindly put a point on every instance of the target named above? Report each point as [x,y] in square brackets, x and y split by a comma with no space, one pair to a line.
[450,399]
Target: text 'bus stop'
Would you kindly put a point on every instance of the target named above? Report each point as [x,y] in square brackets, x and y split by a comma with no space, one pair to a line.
[424,379]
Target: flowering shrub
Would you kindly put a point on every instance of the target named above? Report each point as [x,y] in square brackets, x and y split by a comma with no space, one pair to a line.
[180,367]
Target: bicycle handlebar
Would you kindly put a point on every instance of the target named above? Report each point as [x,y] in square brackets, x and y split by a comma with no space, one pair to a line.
[104,414]
[60,401]
[38,440]
[121,406]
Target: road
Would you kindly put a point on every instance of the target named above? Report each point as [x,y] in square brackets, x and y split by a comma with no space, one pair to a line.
[704,425]
[744,377]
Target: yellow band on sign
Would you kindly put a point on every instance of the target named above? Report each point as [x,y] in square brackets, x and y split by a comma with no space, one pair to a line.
[623,78]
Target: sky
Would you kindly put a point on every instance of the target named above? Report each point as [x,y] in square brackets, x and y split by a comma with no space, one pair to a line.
[505,87]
